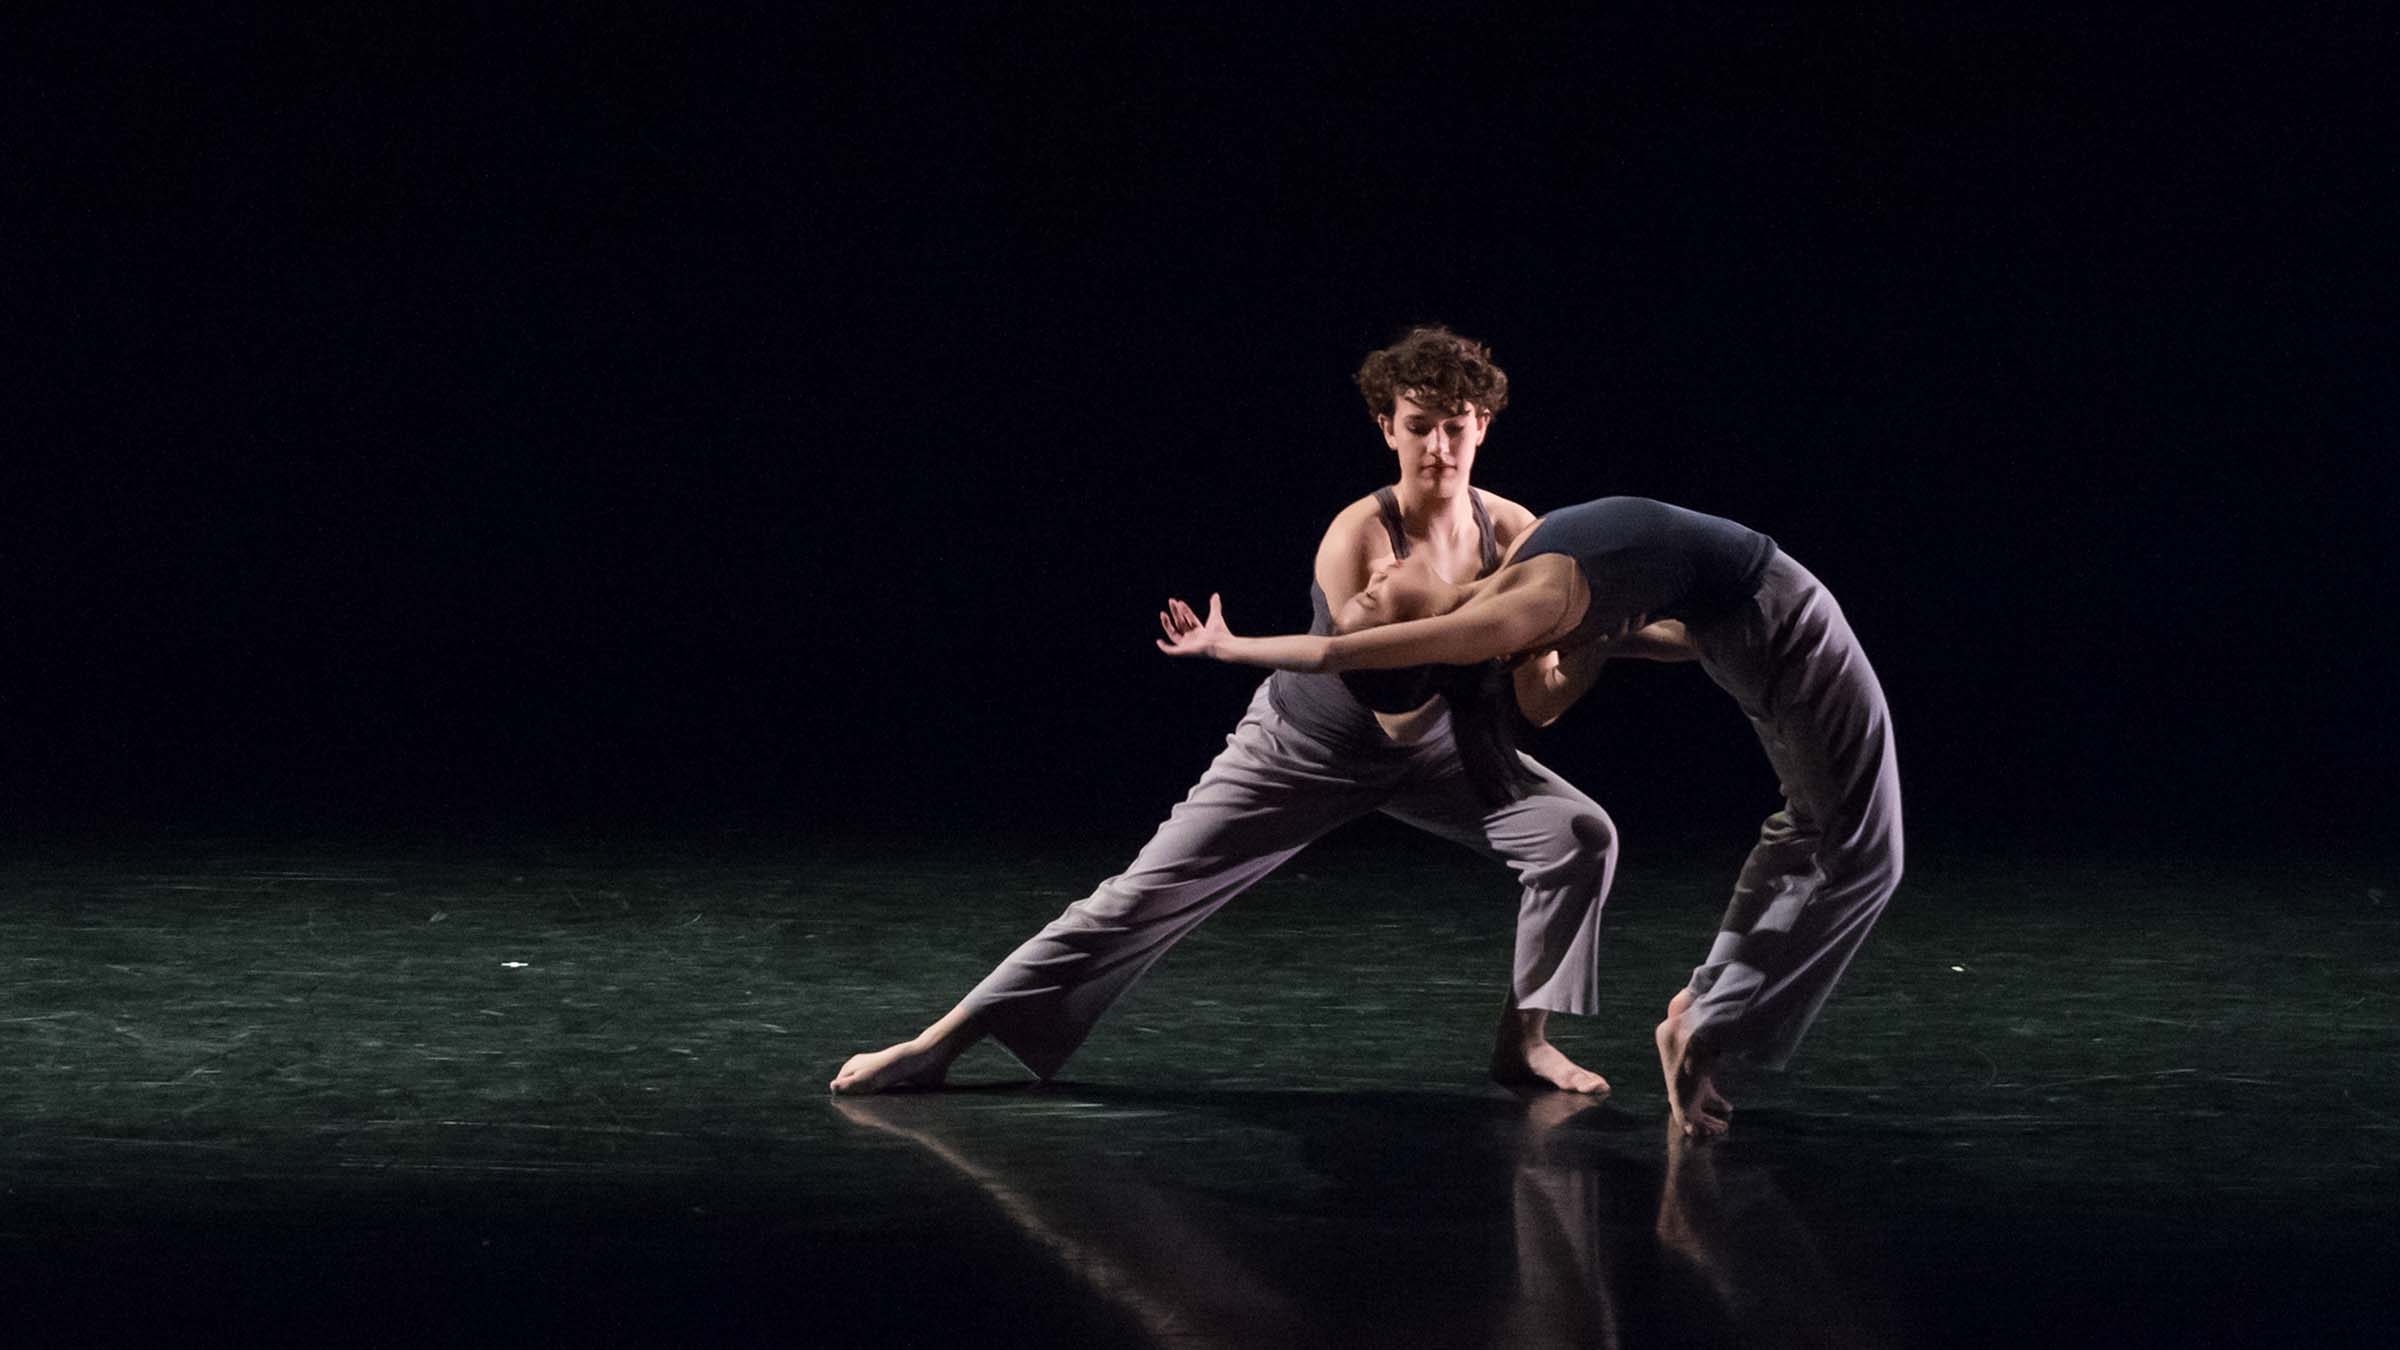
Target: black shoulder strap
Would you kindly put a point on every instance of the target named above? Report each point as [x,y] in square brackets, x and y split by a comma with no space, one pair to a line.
[1483,526]
[1390,502]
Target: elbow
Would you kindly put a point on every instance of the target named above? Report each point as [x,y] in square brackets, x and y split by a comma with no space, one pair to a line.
[1541,698]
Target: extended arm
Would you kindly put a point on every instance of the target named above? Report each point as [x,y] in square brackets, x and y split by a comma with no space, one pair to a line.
[1187,634]
[1491,627]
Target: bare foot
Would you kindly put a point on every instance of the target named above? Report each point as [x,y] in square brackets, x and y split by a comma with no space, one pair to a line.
[1700,1111]
[1524,1055]
[1546,1111]
[908,1064]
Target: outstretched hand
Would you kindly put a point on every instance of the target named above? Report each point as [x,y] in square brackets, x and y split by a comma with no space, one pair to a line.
[1187,634]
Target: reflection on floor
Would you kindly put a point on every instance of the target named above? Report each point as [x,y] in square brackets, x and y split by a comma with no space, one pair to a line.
[1527,1214]
[361,1096]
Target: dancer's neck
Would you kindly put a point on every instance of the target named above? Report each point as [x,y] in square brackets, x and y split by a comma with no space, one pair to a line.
[1422,512]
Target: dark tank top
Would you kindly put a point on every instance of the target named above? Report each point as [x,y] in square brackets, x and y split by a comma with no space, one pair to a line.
[1645,557]
[1324,707]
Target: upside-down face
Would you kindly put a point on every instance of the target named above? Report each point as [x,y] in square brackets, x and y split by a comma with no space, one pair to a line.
[1397,589]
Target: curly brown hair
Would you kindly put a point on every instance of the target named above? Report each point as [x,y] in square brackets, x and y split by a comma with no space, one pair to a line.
[1435,367]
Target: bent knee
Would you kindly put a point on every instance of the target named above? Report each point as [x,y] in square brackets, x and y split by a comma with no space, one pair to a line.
[1595,835]
[1583,852]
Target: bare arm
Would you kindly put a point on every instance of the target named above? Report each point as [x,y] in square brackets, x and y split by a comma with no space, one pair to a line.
[1666,640]
[1491,627]
[1345,557]
[1187,634]
[1550,684]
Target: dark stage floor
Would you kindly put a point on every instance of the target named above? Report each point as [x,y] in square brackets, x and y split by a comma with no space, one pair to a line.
[558,1094]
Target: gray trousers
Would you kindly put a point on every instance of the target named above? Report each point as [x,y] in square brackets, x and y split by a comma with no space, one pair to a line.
[1826,863]
[1268,795]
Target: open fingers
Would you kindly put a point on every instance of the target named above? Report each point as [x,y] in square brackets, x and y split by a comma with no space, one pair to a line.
[1179,621]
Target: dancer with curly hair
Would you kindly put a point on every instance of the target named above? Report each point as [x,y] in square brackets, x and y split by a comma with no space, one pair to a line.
[1313,753]
[1768,633]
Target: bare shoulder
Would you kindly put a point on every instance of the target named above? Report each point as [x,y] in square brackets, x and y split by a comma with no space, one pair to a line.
[1510,524]
[1353,542]
[1508,518]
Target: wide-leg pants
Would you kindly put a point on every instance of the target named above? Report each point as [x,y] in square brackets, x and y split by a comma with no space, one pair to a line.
[1272,791]
[1825,864]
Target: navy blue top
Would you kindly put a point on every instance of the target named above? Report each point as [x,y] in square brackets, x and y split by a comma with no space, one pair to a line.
[1644,557]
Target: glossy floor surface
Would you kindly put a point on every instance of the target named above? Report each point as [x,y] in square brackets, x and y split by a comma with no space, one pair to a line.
[575,1094]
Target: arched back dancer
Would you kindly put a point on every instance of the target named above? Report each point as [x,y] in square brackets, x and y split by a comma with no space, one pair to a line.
[1769,634]
[1309,756]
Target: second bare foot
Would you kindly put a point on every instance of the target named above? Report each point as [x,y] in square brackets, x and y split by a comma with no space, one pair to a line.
[907,1064]
[1700,1111]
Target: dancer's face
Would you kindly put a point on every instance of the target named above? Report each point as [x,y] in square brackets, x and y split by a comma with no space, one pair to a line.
[1398,589]
[1436,449]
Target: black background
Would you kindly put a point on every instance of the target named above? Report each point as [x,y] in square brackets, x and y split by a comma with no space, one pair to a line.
[788,421]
